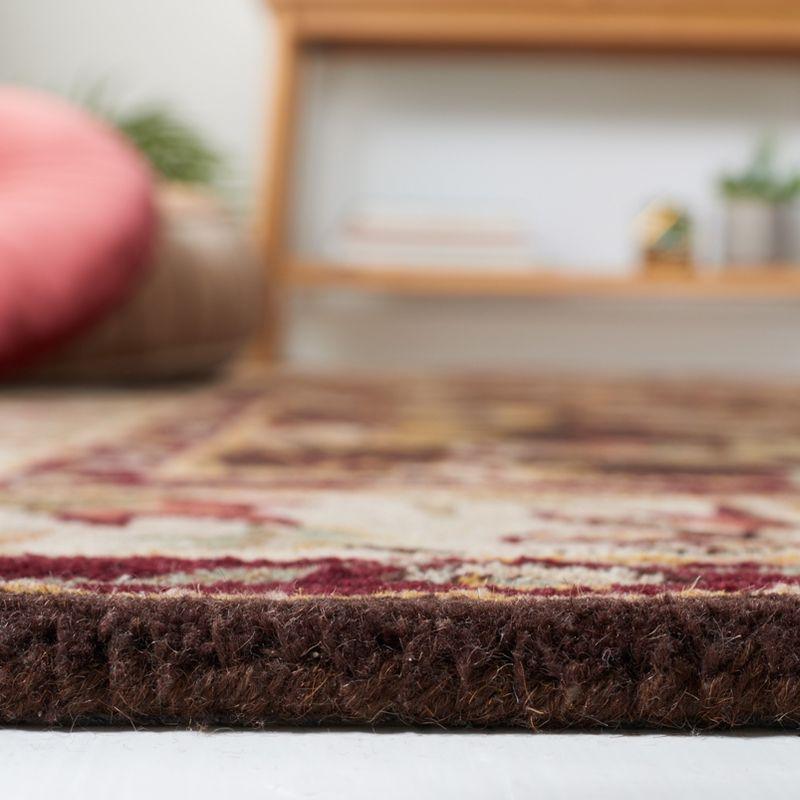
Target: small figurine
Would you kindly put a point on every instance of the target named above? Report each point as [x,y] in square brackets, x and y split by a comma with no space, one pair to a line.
[665,238]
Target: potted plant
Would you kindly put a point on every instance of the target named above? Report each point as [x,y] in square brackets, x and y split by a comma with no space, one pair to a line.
[787,222]
[757,199]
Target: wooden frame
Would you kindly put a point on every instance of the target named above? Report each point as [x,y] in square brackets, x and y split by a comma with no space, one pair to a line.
[702,26]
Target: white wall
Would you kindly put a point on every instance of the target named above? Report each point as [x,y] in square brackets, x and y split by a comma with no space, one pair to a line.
[577,144]
[205,58]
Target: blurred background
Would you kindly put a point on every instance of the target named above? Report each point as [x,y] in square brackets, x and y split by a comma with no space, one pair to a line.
[585,162]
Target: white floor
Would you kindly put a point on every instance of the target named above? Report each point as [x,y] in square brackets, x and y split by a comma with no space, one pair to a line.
[395,764]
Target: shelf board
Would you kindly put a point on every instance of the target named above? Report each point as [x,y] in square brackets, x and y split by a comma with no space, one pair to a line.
[773,282]
[727,26]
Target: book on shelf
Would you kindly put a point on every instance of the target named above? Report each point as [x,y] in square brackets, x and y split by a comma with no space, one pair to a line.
[386,239]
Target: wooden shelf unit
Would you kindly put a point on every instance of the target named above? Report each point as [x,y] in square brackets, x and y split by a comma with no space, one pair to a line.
[745,27]
[750,282]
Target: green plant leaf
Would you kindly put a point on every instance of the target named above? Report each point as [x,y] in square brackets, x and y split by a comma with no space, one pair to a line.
[175,150]
[760,180]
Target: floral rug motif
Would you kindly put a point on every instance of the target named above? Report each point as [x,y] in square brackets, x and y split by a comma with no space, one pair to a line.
[525,551]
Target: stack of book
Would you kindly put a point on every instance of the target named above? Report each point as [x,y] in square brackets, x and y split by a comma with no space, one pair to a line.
[391,238]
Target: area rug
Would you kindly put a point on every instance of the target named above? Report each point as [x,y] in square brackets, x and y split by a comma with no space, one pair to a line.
[533,552]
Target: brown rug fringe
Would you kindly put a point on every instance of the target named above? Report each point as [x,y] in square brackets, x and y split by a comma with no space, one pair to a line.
[588,662]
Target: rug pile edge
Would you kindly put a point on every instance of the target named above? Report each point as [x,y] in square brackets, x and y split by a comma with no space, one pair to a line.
[717,661]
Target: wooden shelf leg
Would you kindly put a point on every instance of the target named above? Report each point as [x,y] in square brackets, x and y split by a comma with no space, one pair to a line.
[274,220]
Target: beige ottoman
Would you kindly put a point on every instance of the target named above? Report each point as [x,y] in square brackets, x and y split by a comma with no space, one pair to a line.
[197,307]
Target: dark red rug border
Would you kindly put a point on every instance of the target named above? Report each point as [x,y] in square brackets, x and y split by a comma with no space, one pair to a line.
[667,662]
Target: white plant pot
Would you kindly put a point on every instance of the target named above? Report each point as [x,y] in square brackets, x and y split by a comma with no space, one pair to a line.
[750,232]
[787,249]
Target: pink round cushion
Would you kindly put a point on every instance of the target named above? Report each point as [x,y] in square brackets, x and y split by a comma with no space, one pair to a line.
[76,221]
